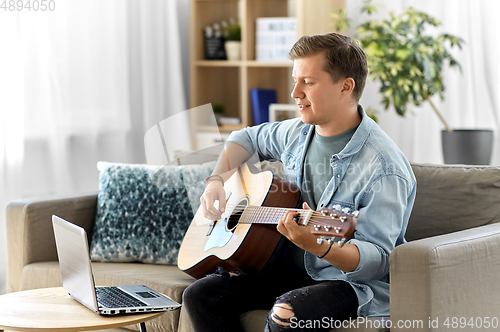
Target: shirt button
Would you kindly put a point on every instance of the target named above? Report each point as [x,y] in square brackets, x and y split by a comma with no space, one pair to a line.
[338,176]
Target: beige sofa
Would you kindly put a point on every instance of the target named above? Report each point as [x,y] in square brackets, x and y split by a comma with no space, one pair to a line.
[448,270]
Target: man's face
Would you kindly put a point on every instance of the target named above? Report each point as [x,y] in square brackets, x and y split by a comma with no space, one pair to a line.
[315,93]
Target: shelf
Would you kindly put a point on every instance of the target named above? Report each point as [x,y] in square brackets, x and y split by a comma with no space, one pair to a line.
[267,64]
[242,63]
[218,63]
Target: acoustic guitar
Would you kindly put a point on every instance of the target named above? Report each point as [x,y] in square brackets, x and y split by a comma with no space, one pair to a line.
[246,236]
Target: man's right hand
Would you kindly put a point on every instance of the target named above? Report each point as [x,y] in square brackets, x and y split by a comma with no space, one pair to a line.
[214,191]
[233,156]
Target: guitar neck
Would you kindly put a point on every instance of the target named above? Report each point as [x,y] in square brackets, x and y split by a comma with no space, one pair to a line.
[271,215]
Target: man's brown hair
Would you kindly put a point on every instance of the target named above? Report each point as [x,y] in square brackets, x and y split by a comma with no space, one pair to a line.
[343,57]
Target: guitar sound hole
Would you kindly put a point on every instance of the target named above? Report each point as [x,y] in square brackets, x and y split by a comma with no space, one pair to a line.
[234,218]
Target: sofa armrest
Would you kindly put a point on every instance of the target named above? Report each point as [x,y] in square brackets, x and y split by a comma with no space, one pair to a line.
[30,237]
[452,275]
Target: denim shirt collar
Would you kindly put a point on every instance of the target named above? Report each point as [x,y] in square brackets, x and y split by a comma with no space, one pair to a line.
[359,138]
[353,146]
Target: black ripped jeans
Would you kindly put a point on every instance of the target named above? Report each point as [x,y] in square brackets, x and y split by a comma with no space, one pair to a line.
[215,302]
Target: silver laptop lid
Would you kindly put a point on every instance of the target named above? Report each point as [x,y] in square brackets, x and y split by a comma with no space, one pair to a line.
[74,261]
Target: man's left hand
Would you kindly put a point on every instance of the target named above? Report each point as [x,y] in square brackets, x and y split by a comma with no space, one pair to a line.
[298,234]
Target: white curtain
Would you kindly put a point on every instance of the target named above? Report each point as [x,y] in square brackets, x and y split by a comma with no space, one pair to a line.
[472,98]
[84,83]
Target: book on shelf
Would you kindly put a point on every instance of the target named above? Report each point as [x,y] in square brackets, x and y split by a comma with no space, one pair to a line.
[275,37]
[261,99]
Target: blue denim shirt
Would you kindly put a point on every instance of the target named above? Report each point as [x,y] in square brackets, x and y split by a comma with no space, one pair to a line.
[370,175]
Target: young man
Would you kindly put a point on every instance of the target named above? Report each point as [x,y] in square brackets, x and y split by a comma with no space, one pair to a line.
[336,155]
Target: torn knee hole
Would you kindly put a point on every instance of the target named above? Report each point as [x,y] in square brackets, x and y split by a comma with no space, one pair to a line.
[221,272]
[282,314]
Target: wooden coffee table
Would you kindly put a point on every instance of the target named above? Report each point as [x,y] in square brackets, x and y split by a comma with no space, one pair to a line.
[52,309]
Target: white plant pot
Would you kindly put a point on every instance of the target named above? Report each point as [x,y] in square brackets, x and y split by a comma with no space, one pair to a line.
[233,50]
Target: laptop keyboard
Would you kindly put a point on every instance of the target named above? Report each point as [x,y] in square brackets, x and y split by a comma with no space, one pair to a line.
[113,297]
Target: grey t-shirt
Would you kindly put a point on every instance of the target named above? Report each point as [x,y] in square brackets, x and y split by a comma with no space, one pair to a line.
[317,169]
[318,173]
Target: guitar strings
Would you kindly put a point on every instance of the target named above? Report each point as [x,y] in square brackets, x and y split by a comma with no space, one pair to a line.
[279,210]
[316,218]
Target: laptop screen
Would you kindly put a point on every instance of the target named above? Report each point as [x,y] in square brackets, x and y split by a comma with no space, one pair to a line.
[74,262]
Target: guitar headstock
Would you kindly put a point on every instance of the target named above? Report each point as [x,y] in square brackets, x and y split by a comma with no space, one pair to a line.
[331,223]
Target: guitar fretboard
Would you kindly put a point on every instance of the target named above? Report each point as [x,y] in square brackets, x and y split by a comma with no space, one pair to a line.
[271,215]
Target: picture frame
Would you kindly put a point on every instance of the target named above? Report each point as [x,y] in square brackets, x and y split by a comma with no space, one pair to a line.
[280,112]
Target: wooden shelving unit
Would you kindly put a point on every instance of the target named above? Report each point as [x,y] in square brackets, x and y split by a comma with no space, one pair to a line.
[229,82]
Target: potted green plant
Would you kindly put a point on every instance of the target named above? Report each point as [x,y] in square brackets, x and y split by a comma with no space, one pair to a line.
[409,64]
[232,34]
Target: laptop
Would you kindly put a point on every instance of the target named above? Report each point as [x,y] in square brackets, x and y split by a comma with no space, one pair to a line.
[78,279]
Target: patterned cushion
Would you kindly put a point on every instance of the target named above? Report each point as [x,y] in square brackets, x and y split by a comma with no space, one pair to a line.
[143,211]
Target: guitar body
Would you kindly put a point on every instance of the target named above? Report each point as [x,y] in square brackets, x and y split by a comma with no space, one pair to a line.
[237,246]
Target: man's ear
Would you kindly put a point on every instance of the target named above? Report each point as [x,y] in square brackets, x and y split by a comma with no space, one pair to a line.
[348,86]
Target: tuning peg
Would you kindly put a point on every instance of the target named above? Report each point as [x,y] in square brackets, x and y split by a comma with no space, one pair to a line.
[346,210]
[320,240]
[341,243]
[337,207]
[355,214]
[330,241]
